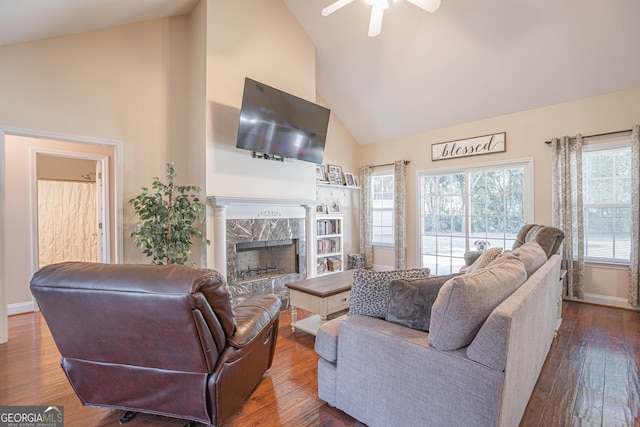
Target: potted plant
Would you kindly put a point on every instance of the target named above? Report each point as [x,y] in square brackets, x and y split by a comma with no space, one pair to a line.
[168,219]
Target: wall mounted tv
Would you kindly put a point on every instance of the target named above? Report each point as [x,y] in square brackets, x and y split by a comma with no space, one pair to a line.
[276,124]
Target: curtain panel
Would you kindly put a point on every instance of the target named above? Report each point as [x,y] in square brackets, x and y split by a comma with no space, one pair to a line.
[568,212]
[67,222]
[634,268]
[366,216]
[399,213]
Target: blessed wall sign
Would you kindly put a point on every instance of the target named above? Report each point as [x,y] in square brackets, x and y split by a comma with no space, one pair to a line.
[486,144]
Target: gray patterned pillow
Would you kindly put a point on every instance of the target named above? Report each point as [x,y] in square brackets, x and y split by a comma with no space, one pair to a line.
[370,293]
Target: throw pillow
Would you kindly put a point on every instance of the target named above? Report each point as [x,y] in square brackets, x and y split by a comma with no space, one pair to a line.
[370,290]
[411,301]
[483,260]
[465,301]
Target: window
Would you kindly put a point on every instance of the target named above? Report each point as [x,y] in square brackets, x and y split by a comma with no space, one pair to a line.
[462,206]
[382,209]
[606,182]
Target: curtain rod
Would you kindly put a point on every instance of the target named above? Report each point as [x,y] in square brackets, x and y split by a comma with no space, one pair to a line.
[599,134]
[390,164]
[65,180]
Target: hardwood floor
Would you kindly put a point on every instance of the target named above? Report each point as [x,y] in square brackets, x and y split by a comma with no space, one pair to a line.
[590,377]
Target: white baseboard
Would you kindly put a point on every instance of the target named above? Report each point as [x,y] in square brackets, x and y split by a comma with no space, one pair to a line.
[19,308]
[606,300]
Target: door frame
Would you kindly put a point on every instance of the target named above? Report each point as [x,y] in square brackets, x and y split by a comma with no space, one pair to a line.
[104,254]
[117,208]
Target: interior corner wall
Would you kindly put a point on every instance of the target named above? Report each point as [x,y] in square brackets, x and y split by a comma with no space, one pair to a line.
[197,111]
[261,40]
[125,84]
[342,150]
[526,133]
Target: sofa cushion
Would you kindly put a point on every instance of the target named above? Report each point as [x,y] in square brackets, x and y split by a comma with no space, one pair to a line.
[411,300]
[483,260]
[370,290]
[465,301]
[531,255]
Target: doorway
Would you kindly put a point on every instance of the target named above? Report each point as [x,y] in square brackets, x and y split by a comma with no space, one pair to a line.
[18,220]
[20,244]
[69,209]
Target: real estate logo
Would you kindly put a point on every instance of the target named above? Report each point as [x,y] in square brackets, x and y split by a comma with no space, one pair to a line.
[31,416]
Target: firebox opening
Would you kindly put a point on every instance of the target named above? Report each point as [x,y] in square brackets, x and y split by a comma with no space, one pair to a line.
[258,260]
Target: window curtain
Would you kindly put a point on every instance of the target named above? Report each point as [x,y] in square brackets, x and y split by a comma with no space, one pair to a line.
[366,216]
[67,222]
[399,214]
[568,210]
[634,268]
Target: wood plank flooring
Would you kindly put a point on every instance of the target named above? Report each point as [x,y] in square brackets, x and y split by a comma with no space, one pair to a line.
[590,377]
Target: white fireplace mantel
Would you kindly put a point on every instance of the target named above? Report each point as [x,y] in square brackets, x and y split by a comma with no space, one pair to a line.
[250,201]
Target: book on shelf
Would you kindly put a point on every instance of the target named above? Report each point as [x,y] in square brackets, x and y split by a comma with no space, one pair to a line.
[327,246]
[328,226]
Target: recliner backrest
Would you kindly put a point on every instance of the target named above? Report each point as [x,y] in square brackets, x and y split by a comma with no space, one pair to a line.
[549,238]
[164,317]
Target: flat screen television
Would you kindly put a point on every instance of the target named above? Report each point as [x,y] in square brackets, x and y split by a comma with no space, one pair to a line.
[276,123]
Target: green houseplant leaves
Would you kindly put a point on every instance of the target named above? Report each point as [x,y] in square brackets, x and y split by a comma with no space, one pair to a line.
[168,219]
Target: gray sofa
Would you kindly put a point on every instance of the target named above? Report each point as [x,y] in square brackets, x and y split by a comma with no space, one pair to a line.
[489,334]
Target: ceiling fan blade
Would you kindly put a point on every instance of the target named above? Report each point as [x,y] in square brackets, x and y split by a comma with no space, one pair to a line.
[428,5]
[375,24]
[335,6]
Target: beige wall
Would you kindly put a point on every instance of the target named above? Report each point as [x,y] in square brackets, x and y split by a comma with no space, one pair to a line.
[167,90]
[125,84]
[526,133]
[262,41]
[243,40]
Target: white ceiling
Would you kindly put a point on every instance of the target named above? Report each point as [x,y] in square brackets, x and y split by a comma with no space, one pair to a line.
[26,20]
[468,61]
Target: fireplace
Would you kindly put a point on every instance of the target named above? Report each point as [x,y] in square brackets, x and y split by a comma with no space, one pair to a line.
[265,259]
[260,245]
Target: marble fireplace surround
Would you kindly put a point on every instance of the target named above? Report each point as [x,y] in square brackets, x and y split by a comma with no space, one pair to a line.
[241,220]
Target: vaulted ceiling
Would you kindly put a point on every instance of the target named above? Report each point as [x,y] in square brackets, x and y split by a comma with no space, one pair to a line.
[468,61]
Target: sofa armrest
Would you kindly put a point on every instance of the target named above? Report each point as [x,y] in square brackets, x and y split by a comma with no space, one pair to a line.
[252,315]
[326,343]
[389,372]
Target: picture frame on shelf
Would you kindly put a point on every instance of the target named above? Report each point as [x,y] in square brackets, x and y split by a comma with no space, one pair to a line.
[350,179]
[321,173]
[321,208]
[334,206]
[334,174]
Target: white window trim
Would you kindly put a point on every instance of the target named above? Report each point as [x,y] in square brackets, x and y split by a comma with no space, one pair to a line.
[526,162]
[622,142]
[382,244]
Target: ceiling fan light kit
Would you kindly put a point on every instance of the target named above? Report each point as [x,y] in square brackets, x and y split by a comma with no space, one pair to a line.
[377,10]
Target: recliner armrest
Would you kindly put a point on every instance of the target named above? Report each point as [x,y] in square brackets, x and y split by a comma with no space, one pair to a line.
[252,315]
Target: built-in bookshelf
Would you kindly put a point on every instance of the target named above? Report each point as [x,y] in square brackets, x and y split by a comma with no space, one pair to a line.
[329,244]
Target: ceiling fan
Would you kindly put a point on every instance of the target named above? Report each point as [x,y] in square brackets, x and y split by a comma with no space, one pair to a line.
[377,10]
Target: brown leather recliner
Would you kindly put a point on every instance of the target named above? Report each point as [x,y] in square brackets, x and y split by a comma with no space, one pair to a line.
[549,238]
[162,340]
